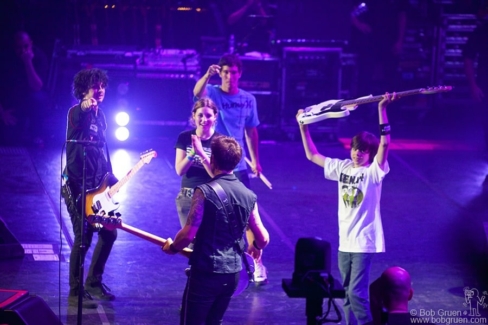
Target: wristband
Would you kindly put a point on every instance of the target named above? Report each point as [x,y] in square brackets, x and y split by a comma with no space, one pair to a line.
[255,246]
[385,129]
[173,249]
[191,155]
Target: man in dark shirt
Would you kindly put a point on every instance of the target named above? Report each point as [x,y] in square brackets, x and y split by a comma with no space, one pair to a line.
[249,24]
[476,50]
[377,38]
[86,121]
[23,77]
[218,234]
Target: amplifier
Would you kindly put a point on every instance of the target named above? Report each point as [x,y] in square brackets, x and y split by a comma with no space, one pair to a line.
[310,75]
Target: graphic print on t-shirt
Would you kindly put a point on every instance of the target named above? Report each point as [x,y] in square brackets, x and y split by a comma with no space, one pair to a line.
[197,162]
[243,105]
[350,192]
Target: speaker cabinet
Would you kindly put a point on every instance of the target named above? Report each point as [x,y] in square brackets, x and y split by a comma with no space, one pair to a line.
[17,307]
[9,245]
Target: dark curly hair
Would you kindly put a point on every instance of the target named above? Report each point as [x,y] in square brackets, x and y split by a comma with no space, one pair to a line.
[85,79]
[231,60]
[226,152]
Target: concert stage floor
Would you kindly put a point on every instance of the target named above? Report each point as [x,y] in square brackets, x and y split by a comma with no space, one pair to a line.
[435,216]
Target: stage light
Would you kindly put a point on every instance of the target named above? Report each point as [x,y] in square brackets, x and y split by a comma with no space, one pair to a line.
[122,119]
[122,133]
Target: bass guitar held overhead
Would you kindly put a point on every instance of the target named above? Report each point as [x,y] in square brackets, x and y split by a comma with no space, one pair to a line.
[337,108]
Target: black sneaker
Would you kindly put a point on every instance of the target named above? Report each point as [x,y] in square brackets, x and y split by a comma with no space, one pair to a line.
[100,291]
[87,302]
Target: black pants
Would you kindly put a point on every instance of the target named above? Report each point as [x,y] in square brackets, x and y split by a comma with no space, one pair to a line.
[207,297]
[106,239]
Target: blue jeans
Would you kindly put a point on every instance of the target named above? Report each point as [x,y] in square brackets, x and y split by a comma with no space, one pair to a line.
[206,297]
[354,268]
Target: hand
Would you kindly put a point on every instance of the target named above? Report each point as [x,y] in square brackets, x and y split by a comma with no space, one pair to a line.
[213,69]
[255,253]
[166,248]
[196,143]
[387,99]
[476,93]
[7,116]
[297,116]
[256,168]
[89,103]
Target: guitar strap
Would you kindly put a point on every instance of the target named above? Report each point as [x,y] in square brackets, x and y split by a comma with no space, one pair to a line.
[109,163]
[232,222]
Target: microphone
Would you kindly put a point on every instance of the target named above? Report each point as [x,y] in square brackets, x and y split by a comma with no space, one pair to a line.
[87,142]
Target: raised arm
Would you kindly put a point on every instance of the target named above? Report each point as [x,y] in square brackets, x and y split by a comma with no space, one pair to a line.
[204,159]
[382,155]
[252,140]
[310,149]
[200,89]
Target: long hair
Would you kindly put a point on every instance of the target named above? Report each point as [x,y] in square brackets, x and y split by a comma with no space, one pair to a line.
[226,152]
[203,102]
[85,79]
[366,141]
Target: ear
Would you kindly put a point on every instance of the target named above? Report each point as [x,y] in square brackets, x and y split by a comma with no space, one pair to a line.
[410,294]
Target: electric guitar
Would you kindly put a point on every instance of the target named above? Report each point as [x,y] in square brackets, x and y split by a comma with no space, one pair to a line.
[337,108]
[100,200]
[114,222]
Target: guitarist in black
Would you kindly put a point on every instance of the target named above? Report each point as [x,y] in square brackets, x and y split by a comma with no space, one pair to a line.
[217,224]
[86,122]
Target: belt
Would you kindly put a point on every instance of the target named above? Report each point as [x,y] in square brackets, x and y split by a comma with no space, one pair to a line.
[188,192]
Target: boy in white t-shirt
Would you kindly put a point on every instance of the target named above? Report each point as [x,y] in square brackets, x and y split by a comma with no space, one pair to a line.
[360,228]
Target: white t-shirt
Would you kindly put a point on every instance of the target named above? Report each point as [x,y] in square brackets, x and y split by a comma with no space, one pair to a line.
[360,228]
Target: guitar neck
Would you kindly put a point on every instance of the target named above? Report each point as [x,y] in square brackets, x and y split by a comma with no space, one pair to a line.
[151,238]
[378,98]
[115,188]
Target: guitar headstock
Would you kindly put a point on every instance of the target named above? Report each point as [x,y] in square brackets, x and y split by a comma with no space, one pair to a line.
[148,155]
[435,90]
[108,222]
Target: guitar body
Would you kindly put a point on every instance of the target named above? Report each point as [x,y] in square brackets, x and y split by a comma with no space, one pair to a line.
[325,110]
[98,201]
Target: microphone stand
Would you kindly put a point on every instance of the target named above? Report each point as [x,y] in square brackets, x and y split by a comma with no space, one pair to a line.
[81,288]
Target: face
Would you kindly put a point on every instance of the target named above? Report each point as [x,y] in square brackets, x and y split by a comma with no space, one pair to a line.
[97,92]
[230,76]
[359,158]
[204,118]
[23,44]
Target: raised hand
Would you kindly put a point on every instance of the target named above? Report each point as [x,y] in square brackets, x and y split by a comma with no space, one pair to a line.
[213,69]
